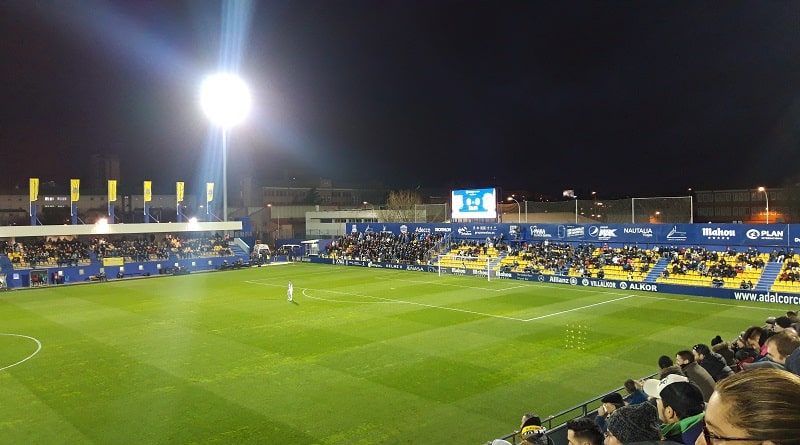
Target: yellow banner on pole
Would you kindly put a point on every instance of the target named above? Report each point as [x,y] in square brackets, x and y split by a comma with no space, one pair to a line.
[34,189]
[209,191]
[112,190]
[75,189]
[148,191]
[179,187]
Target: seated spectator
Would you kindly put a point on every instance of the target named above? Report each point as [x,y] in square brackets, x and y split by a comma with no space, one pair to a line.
[667,367]
[634,423]
[680,408]
[792,363]
[532,432]
[635,395]
[779,348]
[711,361]
[582,431]
[754,406]
[723,348]
[792,316]
[748,346]
[781,323]
[696,373]
[610,403]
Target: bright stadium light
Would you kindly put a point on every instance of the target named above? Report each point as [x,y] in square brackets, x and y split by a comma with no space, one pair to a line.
[225,99]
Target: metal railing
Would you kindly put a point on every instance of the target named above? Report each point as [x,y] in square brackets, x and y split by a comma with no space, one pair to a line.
[558,434]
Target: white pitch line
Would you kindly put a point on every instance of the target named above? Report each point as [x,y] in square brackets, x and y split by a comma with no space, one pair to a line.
[390,300]
[38,348]
[714,303]
[579,308]
[347,301]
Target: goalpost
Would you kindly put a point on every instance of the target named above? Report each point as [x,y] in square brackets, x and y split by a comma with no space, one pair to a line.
[470,266]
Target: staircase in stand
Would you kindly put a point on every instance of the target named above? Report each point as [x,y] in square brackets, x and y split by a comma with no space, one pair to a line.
[768,276]
[656,271]
[495,261]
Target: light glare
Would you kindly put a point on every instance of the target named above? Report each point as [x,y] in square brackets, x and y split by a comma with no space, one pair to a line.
[225,99]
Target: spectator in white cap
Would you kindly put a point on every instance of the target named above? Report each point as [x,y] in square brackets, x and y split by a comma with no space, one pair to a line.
[680,408]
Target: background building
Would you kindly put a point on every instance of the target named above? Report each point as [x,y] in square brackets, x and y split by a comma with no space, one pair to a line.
[748,206]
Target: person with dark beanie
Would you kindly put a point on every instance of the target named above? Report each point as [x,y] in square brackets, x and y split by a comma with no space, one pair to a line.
[633,423]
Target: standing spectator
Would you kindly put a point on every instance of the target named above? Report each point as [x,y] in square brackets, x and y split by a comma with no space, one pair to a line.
[754,406]
[680,408]
[711,361]
[696,373]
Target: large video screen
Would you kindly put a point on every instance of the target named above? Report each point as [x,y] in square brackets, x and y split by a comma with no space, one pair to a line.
[475,203]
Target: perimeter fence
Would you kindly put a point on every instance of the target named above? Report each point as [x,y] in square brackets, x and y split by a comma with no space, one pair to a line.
[666,210]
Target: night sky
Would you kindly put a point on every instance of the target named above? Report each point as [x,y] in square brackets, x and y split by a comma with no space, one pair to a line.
[626,98]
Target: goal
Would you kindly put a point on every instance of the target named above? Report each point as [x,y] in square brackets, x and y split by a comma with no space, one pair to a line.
[471,266]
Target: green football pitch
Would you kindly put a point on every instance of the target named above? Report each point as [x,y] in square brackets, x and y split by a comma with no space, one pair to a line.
[362,356]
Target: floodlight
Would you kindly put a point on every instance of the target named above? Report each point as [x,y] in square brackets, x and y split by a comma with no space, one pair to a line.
[225,99]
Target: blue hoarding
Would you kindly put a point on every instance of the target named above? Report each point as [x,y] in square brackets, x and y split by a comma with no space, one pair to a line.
[763,235]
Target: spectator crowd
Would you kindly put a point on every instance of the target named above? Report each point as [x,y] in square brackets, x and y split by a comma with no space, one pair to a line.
[744,390]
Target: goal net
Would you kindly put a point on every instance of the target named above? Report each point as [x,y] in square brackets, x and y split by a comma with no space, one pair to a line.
[471,266]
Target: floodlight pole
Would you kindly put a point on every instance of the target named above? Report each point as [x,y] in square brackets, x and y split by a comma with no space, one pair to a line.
[226,100]
[225,174]
[576,210]
[519,209]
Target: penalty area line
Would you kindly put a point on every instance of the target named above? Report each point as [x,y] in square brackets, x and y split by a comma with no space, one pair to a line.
[431,306]
[578,308]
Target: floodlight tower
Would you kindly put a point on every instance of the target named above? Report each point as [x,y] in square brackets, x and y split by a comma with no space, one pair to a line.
[225,99]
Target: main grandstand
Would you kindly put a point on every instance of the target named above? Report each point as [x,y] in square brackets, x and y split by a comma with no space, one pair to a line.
[724,261]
